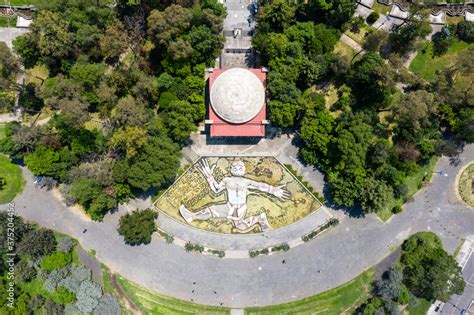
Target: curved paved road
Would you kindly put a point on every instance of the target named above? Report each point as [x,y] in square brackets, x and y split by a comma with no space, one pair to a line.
[323,263]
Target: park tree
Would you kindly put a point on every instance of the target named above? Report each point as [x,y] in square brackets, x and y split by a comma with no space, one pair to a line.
[316,131]
[54,39]
[137,227]
[276,15]
[414,115]
[129,112]
[428,271]
[113,42]
[45,161]
[404,37]
[465,31]
[26,46]
[9,68]
[131,139]
[165,27]
[37,243]
[370,81]
[376,195]
[155,165]
[282,114]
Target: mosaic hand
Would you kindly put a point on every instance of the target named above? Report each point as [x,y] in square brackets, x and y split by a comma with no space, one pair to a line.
[281,193]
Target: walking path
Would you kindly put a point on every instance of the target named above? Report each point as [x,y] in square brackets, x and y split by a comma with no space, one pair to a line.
[329,260]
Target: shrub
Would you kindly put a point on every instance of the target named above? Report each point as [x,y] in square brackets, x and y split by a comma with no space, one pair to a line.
[397,209]
[55,261]
[54,278]
[65,244]
[63,296]
[138,226]
[190,247]
[331,222]
[374,16]
[256,252]
[282,247]
[37,243]
[465,31]
[169,239]
[108,305]
[88,296]
[218,252]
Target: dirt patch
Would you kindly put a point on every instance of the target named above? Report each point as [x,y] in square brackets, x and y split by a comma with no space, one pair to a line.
[124,300]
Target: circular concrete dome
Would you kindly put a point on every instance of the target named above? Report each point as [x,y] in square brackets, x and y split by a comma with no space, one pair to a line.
[237,95]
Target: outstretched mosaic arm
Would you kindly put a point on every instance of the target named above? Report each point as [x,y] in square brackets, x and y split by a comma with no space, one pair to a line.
[207,172]
[278,191]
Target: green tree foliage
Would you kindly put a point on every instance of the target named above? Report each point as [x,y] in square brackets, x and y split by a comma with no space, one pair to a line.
[429,272]
[89,194]
[276,16]
[37,243]
[138,226]
[414,115]
[55,261]
[376,195]
[155,165]
[465,31]
[9,67]
[369,81]
[45,161]
[405,36]
[316,131]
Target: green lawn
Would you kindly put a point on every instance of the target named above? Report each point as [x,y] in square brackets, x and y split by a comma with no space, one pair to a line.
[343,299]
[426,65]
[153,303]
[381,8]
[13,177]
[413,182]
[420,309]
[7,21]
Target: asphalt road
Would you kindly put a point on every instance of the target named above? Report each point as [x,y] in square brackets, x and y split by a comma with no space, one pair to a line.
[321,264]
[458,303]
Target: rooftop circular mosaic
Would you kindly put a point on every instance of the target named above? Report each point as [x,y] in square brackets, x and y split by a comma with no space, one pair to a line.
[237,195]
[237,95]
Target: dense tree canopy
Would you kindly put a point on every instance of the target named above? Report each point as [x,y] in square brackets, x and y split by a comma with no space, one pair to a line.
[125,86]
[138,226]
[429,271]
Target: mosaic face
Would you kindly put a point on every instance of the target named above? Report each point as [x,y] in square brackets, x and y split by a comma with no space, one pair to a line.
[237,168]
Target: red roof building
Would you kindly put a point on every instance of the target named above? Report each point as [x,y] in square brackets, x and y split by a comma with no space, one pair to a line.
[237,106]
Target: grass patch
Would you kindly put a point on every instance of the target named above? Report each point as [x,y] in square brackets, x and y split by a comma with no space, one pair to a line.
[413,183]
[344,50]
[7,21]
[458,248]
[24,2]
[14,181]
[381,8]
[426,64]
[359,37]
[343,299]
[451,20]
[37,74]
[153,303]
[420,309]
[466,185]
